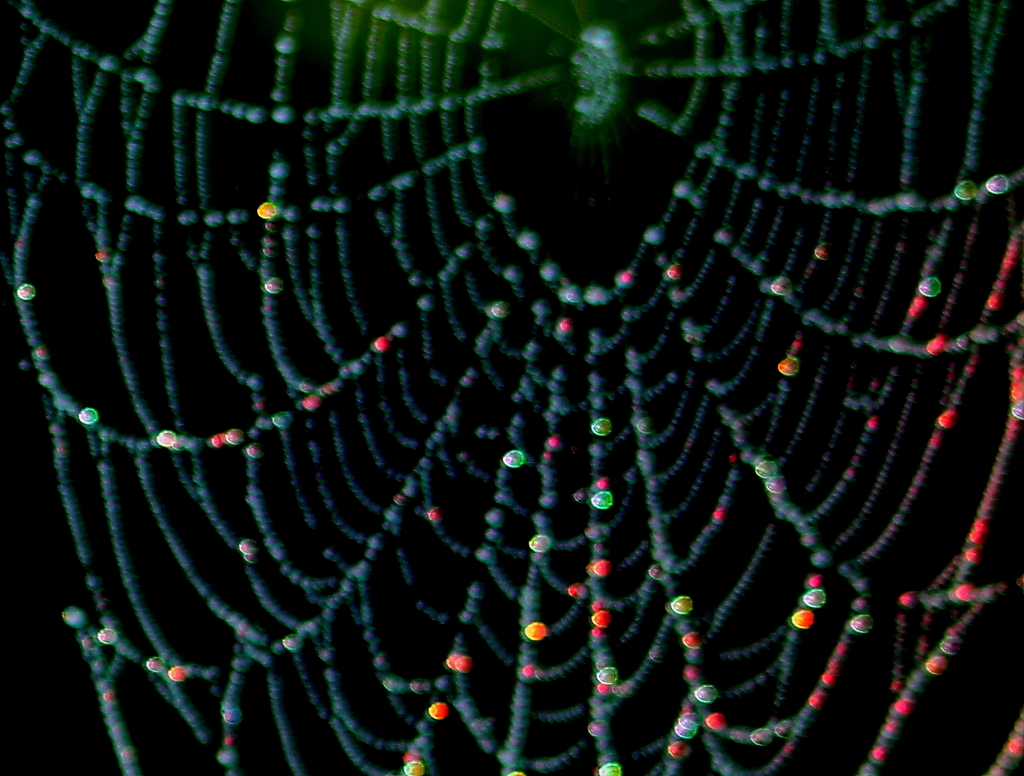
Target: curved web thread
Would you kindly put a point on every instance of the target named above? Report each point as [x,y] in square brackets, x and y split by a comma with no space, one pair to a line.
[592,457]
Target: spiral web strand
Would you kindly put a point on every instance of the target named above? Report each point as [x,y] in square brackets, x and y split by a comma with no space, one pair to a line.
[412,376]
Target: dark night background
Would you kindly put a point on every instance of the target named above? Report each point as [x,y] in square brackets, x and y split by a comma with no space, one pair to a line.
[964,716]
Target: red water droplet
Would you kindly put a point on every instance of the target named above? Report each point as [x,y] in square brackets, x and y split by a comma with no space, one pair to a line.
[600,568]
[677,749]
[438,710]
[715,721]
[937,344]
[964,593]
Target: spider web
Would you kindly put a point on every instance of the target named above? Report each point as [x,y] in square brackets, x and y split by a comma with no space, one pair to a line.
[395,330]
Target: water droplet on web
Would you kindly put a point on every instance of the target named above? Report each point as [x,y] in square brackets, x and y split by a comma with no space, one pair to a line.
[540,543]
[75,617]
[997,184]
[227,756]
[513,459]
[687,726]
[761,737]
[929,287]
[654,235]
[706,693]
[965,190]
[814,598]
[504,203]
[528,240]
[498,310]
[597,295]
[682,189]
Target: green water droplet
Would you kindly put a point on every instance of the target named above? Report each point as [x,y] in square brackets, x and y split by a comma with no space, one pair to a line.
[929,287]
[513,459]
